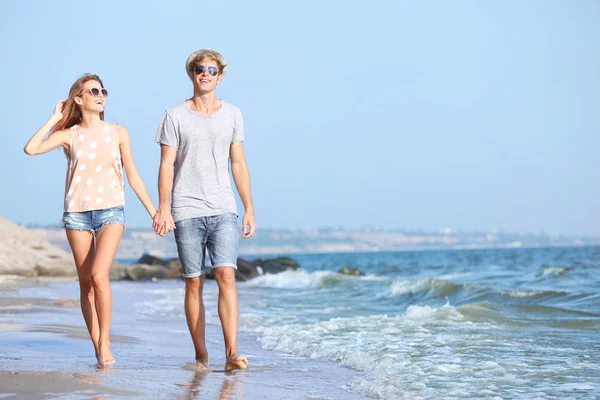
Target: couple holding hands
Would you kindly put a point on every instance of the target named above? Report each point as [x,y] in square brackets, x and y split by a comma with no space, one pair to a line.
[199,138]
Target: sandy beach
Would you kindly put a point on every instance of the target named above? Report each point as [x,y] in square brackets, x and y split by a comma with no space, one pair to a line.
[45,353]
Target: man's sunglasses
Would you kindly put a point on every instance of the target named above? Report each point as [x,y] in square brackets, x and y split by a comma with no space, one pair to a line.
[96,92]
[199,70]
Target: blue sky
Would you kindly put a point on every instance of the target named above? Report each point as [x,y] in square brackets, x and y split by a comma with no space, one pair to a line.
[471,115]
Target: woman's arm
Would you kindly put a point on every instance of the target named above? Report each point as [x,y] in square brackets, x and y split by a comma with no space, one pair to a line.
[38,145]
[134,178]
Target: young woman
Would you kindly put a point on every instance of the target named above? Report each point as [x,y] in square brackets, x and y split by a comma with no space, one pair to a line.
[94,196]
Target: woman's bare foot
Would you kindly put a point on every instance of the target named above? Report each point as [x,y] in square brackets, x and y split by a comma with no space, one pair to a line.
[105,357]
[236,362]
[198,366]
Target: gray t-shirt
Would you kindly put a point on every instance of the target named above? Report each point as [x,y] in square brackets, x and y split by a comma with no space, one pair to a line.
[202,185]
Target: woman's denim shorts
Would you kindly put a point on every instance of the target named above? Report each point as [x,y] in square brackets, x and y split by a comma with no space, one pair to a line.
[94,220]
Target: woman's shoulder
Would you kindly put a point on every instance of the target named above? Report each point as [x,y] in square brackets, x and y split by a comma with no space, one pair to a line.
[118,127]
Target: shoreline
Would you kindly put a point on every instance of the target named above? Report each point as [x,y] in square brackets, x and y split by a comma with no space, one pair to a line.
[46,351]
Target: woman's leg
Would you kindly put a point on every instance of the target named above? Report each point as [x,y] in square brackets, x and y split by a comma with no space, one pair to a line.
[83,249]
[107,240]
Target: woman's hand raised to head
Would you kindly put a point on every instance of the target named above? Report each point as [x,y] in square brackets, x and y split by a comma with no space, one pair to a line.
[38,145]
[58,109]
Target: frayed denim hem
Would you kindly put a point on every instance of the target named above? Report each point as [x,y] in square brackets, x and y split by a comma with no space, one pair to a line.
[110,221]
[77,228]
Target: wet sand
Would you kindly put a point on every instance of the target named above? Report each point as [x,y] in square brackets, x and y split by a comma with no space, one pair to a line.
[45,352]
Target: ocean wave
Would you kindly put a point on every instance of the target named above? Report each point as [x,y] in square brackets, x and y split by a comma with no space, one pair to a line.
[383,347]
[390,288]
[556,312]
[402,287]
[301,279]
[521,294]
[457,275]
[552,271]
[422,353]
[382,287]
[524,294]
[484,313]
[527,315]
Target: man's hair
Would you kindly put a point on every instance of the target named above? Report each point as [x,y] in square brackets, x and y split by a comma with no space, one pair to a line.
[205,55]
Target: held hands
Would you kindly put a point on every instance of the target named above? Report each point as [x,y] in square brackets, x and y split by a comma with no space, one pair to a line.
[162,222]
[248,226]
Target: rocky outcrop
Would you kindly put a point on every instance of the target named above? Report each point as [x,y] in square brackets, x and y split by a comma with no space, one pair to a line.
[276,265]
[24,253]
[154,267]
[147,268]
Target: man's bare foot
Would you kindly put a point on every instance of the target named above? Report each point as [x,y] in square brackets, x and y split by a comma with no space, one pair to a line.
[105,357]
[236,362]
[198,366]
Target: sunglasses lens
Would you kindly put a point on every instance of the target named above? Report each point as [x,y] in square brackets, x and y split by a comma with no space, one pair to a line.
[104,92]
[199,69]
[94,92]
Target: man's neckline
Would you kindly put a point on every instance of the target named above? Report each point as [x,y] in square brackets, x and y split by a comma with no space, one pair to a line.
[201,114]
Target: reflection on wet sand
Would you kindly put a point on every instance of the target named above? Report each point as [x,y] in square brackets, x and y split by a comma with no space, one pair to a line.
[231,385]
[94,378]
[91,378]
[228,388]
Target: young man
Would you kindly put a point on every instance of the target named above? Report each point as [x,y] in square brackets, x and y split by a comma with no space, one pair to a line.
[198,139]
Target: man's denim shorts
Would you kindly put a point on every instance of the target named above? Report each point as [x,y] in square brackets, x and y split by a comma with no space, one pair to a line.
[220,234]
[94,220]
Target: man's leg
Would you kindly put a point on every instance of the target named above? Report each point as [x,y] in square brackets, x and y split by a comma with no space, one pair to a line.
[190,237]
[222,244]
[194,314]
[228,313]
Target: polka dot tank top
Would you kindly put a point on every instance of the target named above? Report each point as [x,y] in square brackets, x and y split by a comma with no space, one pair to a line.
[95,176]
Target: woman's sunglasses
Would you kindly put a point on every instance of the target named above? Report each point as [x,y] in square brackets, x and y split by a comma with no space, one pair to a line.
[96,92]
[199,70]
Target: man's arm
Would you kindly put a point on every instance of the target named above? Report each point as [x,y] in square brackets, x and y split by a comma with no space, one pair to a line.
[163,220]
[241,177]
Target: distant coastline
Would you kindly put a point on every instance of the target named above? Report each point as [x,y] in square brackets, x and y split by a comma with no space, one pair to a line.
[137,241]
